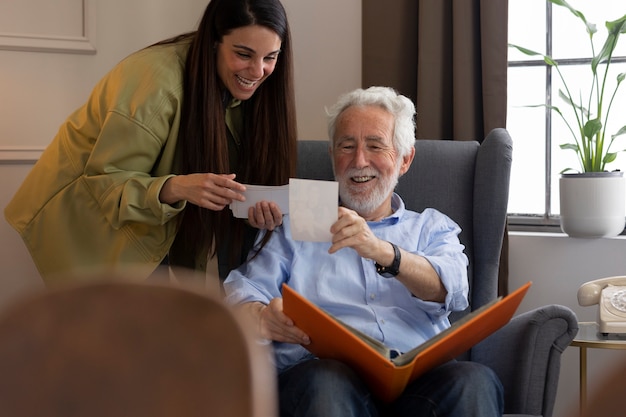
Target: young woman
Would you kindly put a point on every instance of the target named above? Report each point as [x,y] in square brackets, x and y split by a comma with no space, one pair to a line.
[162,146]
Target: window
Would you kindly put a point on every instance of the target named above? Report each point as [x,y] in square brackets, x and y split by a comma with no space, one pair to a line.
[537,132]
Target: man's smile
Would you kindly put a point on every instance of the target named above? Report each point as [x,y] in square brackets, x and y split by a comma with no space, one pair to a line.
[363,178]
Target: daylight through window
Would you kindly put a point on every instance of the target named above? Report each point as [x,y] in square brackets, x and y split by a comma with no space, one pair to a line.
[538,131]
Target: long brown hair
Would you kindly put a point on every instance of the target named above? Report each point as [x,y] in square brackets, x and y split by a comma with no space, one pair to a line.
[268,154]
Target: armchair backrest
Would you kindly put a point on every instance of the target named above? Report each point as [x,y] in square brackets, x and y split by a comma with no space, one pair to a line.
[466,180]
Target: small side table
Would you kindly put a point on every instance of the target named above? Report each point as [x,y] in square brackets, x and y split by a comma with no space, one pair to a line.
[589,337]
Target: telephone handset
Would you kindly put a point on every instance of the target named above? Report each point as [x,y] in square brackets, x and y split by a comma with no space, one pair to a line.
[610,294]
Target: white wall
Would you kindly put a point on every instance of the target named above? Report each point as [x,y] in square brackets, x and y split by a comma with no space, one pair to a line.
[558,265]
[327,50]
[38,90]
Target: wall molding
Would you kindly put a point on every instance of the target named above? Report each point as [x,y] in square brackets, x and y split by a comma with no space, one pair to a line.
[20,155]
[82,44]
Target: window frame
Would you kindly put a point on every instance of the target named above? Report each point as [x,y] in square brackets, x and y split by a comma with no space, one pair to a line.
[548,222]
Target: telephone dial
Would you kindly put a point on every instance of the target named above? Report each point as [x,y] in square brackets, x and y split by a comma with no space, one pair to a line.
[610,294]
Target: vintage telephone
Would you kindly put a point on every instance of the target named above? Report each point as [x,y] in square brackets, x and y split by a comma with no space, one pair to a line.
[610,293]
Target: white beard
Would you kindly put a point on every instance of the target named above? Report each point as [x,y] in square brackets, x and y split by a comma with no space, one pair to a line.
[365,203]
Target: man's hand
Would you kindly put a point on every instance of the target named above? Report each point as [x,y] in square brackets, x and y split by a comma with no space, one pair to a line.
[351,230]
[275,325]
[416,273]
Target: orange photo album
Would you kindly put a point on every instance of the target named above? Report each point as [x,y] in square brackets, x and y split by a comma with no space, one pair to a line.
[387,377]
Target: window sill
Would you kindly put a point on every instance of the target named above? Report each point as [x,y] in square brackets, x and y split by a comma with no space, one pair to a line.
[541,225]
[559,235]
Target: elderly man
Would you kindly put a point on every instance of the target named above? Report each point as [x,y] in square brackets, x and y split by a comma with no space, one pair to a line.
[389,272]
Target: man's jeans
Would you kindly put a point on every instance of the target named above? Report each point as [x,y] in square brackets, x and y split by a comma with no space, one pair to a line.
[328,388]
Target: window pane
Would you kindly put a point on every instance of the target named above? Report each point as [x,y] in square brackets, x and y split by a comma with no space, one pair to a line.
[570,39]
[526,87]
[526,126]
[579,80]
[520,13]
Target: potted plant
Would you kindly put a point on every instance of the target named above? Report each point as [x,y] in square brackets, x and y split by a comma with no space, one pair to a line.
[592,199]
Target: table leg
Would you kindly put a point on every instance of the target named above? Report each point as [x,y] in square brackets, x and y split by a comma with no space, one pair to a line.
[583,379]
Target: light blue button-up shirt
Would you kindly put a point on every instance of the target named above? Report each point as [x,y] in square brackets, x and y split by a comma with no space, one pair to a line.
[347,286]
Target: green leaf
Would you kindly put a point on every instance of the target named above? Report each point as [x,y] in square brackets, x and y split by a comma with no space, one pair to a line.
[605,53]
[524,50]
[614,28]
[548,60]
[609,157]
[566,98]
[619,132]
[592,127]
[591,28]
[617,26]
[571,146]
[554,108]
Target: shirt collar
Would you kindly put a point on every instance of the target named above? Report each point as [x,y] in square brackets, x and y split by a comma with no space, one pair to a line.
[234,102]
[397,205]
[228,100]
[398,209]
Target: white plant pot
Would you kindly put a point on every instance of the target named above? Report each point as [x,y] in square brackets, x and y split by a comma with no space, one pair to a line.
[593,204]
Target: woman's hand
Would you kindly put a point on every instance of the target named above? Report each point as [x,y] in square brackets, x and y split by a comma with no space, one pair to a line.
[211,191]
[265,215]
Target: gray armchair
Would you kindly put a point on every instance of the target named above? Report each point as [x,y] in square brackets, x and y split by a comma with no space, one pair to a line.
[469,181]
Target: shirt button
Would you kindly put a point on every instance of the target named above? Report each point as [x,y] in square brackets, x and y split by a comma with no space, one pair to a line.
[372,296]
[382,321]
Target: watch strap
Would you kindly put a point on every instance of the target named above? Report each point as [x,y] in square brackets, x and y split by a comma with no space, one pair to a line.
[394,268]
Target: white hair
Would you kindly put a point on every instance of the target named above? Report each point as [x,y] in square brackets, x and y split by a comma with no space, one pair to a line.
[401,107]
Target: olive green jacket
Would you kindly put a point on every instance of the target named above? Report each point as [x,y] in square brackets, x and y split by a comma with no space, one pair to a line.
[92,200]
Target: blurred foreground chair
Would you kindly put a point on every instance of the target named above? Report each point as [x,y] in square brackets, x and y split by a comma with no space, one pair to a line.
[128,349]
[607,396]
[469,181]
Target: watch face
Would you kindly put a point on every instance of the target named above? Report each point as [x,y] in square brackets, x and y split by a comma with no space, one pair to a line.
[386,271]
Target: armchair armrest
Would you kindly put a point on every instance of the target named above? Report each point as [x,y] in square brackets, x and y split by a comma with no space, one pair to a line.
[526,356]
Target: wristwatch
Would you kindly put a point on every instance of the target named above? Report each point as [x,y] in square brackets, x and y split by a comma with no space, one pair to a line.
[392,270]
